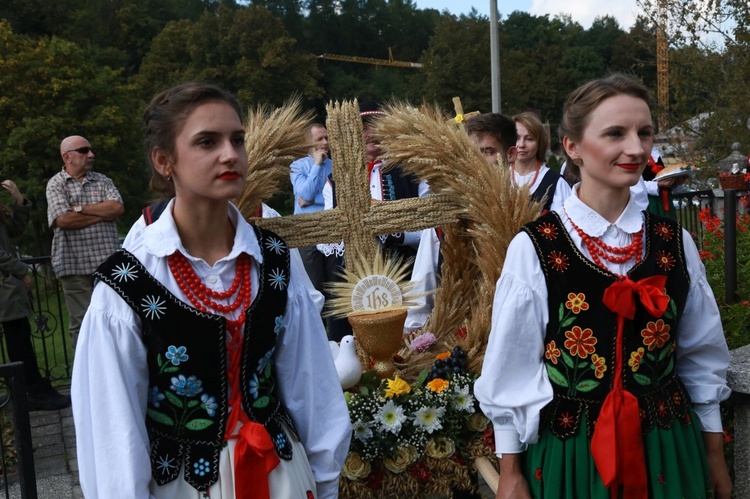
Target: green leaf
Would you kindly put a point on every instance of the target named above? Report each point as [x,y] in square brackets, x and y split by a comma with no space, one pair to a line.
[262,402]
[669,368]
[671,311]
[567,359]
[171,369]
[642,379]
[651,357]
[422,377]
[587,385]
[267,371]
[663,354]
[159,361]
[193,403]
[364,390]
[160,417]
[556,376]
[561,314]
[198,424]
[584,364]
[174,399]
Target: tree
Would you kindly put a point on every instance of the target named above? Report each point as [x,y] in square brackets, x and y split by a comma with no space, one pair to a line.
[50,89]
[246,51]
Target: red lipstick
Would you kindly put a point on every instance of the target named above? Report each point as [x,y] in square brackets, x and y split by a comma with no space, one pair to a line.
[229,176]
[632,167]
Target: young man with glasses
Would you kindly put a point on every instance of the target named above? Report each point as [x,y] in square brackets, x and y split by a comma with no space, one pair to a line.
[82,209]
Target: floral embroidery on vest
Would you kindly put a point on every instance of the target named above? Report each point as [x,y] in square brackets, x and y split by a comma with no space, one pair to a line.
[579,344]
[187,396]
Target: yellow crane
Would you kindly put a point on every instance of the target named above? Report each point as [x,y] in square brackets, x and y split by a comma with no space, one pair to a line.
[662,67]
[369,60]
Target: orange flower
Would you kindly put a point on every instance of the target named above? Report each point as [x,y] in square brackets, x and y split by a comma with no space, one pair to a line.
[580,342]
[664,230]
[443,355]
[656,334]
[552,352]
[635,359]
[576,302]
[599,365]
[665,260]
[548,230]
[558,261]
[437,385]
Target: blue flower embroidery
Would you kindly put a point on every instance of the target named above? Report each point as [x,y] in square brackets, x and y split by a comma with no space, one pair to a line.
[155,397]
[254,385]
[188,387]
[279,440]
[165,462]
[210,404]
[275,245]
[201,467]
[125,272]
[177,355]
[278,328]
[262,363]
[277,279]
[153,307]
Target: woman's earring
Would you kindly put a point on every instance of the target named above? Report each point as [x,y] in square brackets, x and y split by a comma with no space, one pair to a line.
[169,176]
[578,162]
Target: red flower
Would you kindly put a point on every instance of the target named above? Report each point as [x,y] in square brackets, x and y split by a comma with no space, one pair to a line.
[580,342]
[686,419]
[566,420]
[662,408]
[665,260]
[538,474]
[456,457]
[548,230]
[706,255]
[375,479]
[677,398]
[656,334]
[419,473]
[558,261]
[552,352]
[664,230]
[489,438]
[462,333]
[661,478]
[727,437]
[576,302]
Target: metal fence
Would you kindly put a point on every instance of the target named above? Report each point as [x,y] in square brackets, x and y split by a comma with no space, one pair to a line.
[688,206]
[15,429]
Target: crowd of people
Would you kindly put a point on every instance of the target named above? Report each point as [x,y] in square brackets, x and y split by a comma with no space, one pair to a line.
[202,365]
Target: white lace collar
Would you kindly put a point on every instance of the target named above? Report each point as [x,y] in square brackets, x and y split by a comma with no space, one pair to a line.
[593,224]
[162,239]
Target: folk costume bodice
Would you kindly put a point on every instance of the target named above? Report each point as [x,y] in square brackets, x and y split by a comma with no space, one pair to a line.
[188,407]
[581,333]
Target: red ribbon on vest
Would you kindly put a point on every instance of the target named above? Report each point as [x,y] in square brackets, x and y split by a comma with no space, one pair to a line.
[254,458]
[617,444]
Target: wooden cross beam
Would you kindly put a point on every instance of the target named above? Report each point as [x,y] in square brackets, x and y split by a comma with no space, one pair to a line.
[460,117]
[358,219]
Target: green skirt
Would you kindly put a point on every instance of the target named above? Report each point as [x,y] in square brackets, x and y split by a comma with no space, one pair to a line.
[675,463]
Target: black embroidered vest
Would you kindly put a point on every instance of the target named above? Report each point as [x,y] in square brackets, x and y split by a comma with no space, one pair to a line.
[187,408]
[547,187]
[580,338]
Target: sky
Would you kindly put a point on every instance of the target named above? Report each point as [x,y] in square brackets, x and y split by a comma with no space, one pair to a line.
[582,11]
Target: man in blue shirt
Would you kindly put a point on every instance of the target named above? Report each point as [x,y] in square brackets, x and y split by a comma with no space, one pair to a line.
[308,176]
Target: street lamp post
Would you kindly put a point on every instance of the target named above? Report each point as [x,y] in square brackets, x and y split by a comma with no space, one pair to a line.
[495,58]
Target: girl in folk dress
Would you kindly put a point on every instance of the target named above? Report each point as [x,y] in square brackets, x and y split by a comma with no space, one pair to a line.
[607,361]
[203,369]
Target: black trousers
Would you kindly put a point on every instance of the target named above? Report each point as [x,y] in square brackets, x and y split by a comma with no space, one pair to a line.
[18,342]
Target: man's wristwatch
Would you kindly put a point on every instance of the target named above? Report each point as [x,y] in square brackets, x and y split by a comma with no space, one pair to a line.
[78,208]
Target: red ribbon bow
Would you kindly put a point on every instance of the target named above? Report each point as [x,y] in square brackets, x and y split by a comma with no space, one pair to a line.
[254,458]
[617,444]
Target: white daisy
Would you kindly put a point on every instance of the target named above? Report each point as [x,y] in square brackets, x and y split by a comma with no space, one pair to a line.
[463,400]
[153,306]
[277,279]
[429,418]
[362,430]
[391,417]
[124,272]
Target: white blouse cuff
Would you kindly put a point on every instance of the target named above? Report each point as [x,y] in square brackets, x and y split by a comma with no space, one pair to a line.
[710,417]
[507,441]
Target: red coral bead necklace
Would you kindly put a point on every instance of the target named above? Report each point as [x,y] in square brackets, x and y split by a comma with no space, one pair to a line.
[600,250]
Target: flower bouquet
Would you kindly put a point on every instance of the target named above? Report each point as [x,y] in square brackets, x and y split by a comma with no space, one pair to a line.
[415,439]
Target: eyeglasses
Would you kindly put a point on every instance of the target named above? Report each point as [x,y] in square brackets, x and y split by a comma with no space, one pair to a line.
[82,150]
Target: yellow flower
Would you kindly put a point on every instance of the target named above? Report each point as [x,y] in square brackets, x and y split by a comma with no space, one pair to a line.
[443,355]
[397,387]
[437,385]
[355,467]
[459,118]
[477,422]
[440,448]
[402,459]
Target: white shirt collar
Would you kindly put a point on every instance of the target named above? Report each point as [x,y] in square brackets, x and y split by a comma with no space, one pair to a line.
[593,224]
[161,238]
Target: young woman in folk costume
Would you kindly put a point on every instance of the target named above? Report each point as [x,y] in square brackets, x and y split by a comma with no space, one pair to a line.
[203,369]
[530,166]
[606,363]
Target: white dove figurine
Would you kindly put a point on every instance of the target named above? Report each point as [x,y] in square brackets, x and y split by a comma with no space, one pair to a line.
[347,364]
